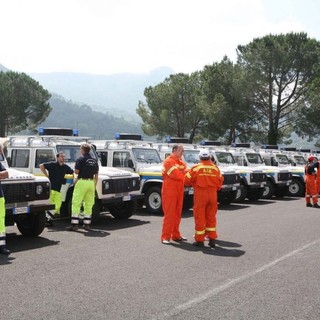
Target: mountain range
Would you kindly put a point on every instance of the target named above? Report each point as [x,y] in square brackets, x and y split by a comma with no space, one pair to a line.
[116,94]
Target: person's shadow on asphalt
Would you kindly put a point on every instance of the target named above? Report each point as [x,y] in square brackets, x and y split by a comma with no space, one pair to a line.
[222,248]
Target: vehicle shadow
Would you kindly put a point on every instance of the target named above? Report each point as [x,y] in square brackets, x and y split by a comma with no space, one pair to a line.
[18,243]
[219,250]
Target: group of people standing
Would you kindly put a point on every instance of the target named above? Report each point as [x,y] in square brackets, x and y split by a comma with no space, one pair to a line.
[86,169]
[206,180]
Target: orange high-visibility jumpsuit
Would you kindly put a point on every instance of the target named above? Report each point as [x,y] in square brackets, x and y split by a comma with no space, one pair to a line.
[172,196]
[206,179]
[318,180]
[311,185]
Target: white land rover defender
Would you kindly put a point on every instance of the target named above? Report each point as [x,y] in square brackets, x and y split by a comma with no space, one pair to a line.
[27,199]
[130,152]
[116,190]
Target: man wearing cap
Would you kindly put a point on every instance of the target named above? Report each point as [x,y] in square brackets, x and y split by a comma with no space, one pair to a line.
[172,193]
[84,191]
[311,185]
[55,171]
[3,175]
[206,179]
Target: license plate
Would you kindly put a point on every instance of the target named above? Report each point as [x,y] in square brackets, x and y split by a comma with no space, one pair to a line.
[21,210]
[119,194]
[126,198]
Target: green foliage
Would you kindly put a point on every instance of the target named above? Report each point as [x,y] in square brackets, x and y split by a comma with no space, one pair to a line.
[281,69]
[97,125]
[172,107]
[23,102]
[229,104]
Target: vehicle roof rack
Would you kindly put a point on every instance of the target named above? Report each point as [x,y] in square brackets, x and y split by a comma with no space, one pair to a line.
[210,143]
[128,136]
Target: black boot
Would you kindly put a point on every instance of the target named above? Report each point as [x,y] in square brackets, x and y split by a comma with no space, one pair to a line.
[309,205]
[316,205]
[212,243]
[4,250]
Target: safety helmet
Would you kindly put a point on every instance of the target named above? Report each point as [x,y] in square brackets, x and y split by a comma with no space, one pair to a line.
[310,158]
[204,154]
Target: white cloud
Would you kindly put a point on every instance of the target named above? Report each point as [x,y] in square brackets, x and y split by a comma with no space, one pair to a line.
[110,36]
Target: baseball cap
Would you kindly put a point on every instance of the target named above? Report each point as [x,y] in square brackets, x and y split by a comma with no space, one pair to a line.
[204,153]
[311,158]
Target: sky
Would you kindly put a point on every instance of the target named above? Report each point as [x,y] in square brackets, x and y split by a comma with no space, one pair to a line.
[138,36]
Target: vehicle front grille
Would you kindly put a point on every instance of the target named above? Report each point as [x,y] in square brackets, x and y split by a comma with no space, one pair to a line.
[284,176]
[258,177]
[124,185]
[231,178]
[19,192]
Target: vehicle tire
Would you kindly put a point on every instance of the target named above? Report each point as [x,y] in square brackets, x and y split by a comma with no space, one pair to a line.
[96,209]
[268,190]
[227,197]
[123,210]
[255,194]
[188,202]
[281,192]
[241,193]
[31,225]
[153,200]
[296,188]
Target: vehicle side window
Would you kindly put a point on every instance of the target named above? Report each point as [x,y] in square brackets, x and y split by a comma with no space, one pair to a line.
[121,159]
[44,155]
[20,158]
[103,158]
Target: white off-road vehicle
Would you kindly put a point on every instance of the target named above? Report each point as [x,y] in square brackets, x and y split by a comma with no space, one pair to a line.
[27,199]
[131,153]
[117,190]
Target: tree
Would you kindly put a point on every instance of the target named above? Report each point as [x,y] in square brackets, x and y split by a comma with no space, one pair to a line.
[172,107]
[229,111]
[23,102]
[282,68]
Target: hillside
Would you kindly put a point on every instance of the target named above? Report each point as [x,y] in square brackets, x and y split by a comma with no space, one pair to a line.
[97,125]
[116,94]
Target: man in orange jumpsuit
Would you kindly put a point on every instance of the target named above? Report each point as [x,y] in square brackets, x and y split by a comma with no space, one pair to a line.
[206,179]
[311,185]
[172,194]
[318,179]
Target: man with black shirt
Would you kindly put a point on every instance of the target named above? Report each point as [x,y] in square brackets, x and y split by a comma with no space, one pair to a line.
[84,191]
[56,171]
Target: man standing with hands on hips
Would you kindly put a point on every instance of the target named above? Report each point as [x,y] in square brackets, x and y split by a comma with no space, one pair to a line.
[87,170]
[172,194]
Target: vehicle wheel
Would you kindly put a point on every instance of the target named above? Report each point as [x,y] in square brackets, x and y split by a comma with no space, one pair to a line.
[227,197]
[96,209]
[31,225]
[281,192]
[241,193]
[255,194]
[188,202]
[153,200]
[268,190]
[296,188]
[123,210]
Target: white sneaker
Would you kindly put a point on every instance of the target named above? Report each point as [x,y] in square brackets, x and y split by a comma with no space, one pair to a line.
[165,241]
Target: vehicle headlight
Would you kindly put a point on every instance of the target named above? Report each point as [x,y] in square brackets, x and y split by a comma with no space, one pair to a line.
[106,185]
[39,189]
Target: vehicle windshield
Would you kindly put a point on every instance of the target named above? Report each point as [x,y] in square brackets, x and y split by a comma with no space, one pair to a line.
[191,156]
[282,159]
[225,157]
[72,152]
[254,158]
[146,155]
[299,160]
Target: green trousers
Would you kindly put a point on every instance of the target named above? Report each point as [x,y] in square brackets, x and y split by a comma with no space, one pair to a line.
[83,193]
[2,222]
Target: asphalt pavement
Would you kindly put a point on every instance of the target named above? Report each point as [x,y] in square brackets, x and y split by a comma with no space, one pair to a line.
[265,266]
